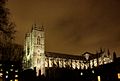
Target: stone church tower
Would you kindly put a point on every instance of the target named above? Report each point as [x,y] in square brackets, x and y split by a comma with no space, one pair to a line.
[34,50]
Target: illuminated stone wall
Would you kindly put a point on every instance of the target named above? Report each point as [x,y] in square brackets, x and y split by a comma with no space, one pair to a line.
[77,63]
[34,50]
[35,55]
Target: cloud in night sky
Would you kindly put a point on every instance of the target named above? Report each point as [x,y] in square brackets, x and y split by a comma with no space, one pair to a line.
[72,26]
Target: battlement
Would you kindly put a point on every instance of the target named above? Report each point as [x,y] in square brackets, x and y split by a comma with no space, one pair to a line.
[36,27]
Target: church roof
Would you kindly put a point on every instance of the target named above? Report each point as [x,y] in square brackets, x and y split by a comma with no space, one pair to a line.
[76,57]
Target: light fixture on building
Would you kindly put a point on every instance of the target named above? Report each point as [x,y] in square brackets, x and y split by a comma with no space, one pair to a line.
[11,69]
[118,75]
[16,75]
[81,73]
[12,65]
[98,78]
[7,72]
[1,69]
[16,79]
[1,74]
[6,76]
[16,70]
[93,71]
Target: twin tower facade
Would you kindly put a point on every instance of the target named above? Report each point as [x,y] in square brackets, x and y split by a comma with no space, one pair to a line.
[34,50]
[37,58]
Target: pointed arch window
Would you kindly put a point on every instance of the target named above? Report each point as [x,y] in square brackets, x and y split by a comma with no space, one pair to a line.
[28,51]
[38,40]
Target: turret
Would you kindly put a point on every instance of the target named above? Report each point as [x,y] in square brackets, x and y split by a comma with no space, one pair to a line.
[114,56]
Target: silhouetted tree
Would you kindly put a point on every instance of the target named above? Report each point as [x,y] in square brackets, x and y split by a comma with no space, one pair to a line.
[6,25]
[7,31]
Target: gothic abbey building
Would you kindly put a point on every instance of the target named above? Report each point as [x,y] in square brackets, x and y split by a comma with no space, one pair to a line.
[37,58]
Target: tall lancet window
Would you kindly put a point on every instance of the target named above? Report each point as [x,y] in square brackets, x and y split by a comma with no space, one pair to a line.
[28,51]
[38,40]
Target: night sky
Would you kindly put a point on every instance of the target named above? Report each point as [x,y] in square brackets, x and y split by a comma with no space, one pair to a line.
[71,26]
